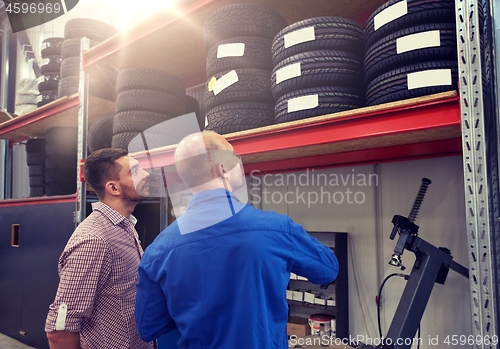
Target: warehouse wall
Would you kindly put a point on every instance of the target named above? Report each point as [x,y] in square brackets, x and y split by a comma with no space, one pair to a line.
[377,193]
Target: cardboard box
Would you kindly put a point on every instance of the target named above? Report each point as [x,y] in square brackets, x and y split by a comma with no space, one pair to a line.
[298,326]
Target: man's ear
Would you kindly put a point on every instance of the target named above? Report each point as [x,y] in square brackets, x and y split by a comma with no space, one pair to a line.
[220,170]
[112,188]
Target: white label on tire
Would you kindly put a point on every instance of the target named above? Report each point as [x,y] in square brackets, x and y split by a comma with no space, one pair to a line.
[427,78]
[418,41]
[299,36]
[231,50]
[225,81]
[389,14]
[303,103]
[39,98]
[44,61]
[288,72]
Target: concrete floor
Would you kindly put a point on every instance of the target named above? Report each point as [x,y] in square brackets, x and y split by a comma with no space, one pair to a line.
[9,343]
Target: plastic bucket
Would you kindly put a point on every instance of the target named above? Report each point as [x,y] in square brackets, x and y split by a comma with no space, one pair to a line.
[319,323]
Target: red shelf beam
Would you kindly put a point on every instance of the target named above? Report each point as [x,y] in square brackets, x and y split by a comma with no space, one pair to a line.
[263,147]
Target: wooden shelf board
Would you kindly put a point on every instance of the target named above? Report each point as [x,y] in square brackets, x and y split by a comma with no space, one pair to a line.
[5,117]
[62,112]
[419,120]
[173,42]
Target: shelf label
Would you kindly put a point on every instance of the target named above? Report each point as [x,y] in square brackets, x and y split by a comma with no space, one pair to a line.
[303,103]
[225,81]
[231,50]
[299,36]
[288,72]
[390,14]
[418,41]
[427,78]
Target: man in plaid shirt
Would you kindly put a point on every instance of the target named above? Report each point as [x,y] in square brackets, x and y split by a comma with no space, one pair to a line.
[94,304]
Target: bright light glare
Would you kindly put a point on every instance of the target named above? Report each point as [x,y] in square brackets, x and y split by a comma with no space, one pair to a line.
[131,12]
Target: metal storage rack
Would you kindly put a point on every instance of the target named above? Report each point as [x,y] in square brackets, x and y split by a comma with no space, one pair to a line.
[438,125]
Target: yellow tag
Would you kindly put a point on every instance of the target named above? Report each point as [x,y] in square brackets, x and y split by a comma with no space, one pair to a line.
[211,84]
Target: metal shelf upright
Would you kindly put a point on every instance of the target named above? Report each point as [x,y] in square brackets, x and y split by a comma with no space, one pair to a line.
[480,173]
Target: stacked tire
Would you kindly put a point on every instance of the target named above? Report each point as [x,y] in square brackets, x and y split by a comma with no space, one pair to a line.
[412,54]
[238,40]
[61,161]
[318,68]
[50,70]
[96,31]
[35,158]
[146,98]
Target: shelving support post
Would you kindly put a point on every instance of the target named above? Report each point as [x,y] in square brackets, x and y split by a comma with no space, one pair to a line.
[478,175]
[83,89]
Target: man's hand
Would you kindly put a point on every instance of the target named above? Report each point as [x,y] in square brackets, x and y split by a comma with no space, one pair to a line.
[64,340]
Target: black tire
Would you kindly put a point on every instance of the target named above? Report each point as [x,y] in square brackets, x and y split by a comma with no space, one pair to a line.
[35,159]
[71,47]
[419,12]
[70,67]
[331,99]
[46,97]
[383,56]
[36,145]
[53,189]
[37,181]
[37,191]
[235,117]
[51,67]
[133,141]
[61,176]
[104,86]
[319,68]
[68,86]
[253,85]
[51,47]
[241,20]
[77,28]
[149,79]
[53,150]
[137,120]
[149,100]
[37,170]
[63,139]
[192,106]
[61,162]
[257,54]
[330,33]
[48,85]
[393,86]
[100,133]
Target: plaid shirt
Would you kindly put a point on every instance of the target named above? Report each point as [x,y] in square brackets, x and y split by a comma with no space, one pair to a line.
[98,273]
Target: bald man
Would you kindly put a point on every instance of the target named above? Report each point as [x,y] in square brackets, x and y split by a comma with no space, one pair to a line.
[219,273]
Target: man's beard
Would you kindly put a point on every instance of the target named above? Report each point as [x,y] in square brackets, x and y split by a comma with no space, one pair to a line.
[131,194]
